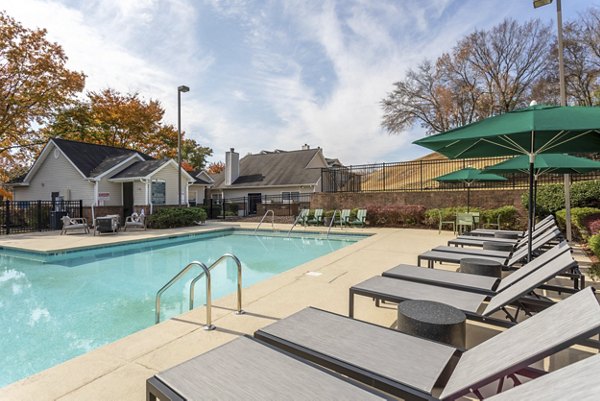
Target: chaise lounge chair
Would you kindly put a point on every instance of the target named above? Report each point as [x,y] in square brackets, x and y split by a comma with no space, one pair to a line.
[471,240]
[478,283]
[414,368]
[473,304]
[455,254]
[578,381]
[135,221]
[248,369]
[74,223]
[343,218]
[486,232]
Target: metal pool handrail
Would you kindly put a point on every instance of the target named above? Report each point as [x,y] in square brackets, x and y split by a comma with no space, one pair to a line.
[205,272]
[333,221]
[263,218]
[173,280]
[239,311]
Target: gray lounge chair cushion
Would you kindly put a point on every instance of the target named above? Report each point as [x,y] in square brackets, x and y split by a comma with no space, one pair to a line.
[246,370]
[388,353]
[578,381]
[443,277]
[466,301]
[557,327]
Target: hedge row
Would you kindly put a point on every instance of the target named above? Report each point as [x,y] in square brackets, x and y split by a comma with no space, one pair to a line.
[177,217]
[551,198]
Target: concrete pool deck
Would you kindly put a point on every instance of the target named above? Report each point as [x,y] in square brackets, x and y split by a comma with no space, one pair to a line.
[118,371]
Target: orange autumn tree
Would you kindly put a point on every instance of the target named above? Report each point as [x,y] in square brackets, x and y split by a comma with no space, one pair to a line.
[115,119]
[128,121]
[34,83]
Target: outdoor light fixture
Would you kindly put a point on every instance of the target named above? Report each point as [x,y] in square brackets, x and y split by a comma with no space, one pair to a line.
[541,3]
[180,89]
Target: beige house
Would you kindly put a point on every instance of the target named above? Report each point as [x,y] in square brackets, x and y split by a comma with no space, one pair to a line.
[104,176]
[270,176]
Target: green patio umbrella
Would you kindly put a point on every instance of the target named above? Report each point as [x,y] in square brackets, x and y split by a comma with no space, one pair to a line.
[546,163]
[467,176]
[531,131]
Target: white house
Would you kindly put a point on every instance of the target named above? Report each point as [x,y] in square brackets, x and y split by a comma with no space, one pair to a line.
[104,176]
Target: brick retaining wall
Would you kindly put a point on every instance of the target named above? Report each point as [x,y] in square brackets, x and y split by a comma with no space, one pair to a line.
[486,199]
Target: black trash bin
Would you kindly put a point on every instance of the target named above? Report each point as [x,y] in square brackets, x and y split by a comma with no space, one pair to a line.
[56,219]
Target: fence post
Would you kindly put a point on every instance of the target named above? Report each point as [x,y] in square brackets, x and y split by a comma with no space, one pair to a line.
[383,169]
[39,215]
[7,217]
[421,173]
[80,207]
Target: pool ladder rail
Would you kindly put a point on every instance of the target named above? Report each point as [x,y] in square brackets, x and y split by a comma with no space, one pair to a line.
[331,223]
[263,219]
[205,272]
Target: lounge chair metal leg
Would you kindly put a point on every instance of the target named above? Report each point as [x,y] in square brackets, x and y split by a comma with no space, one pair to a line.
[351,304]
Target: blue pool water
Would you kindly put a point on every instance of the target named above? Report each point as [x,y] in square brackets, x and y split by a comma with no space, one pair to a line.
[55,307]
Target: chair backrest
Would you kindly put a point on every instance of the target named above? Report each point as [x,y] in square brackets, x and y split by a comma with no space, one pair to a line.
[345,214]
[464,219]
[66,220]
[546,333]
[361,215]
[533,280]
[532,266]
[537,243]
[318,213]
[303,213]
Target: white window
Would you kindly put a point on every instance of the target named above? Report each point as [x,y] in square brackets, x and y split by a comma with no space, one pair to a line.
[217,198]
[158,193]
[290,197]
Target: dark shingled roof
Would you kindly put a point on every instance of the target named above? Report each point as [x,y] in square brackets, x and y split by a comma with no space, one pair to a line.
[91,159]
[197,179]
[279,168]
[140,169]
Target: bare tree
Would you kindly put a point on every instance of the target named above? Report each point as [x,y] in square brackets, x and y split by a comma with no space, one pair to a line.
[487,72]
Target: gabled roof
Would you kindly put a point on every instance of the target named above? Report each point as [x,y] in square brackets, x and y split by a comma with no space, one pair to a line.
[91,159]
[277,168]
[140,169]
[144,169]
[202,177]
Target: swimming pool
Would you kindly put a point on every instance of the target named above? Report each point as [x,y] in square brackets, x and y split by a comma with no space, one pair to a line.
[56,306]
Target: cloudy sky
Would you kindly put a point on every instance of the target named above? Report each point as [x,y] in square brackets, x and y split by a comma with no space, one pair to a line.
[269,74]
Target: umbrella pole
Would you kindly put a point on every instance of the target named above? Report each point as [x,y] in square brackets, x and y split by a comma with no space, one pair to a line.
[530,208]
[468,197]
[535,188]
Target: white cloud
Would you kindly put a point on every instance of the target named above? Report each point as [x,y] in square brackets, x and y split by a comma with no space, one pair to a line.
[265,74]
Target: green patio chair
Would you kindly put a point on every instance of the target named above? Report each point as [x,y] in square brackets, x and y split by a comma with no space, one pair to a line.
[464,222]
[316,219]
[361,218]
[343,218]
[445,222]
[302,216]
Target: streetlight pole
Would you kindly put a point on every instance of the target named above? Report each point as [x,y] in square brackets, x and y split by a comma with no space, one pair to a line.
[563,102]
[180,89]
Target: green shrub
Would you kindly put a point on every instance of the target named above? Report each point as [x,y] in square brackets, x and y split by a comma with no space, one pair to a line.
[510,218]
[580,218]
[594,244]
[353,214]
[176,217]
[551,197]
[396,216]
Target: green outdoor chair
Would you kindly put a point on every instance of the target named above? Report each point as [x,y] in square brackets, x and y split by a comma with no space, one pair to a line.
[302,216]
[445,222]
[464,222]
[316,219]
[342,218]
[361,218]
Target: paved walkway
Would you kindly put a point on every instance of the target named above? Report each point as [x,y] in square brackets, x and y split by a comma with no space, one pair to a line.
[118,371]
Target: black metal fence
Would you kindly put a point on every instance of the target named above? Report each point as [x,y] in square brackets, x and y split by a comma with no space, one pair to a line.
[287,205]
[29,216]
[419,176]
